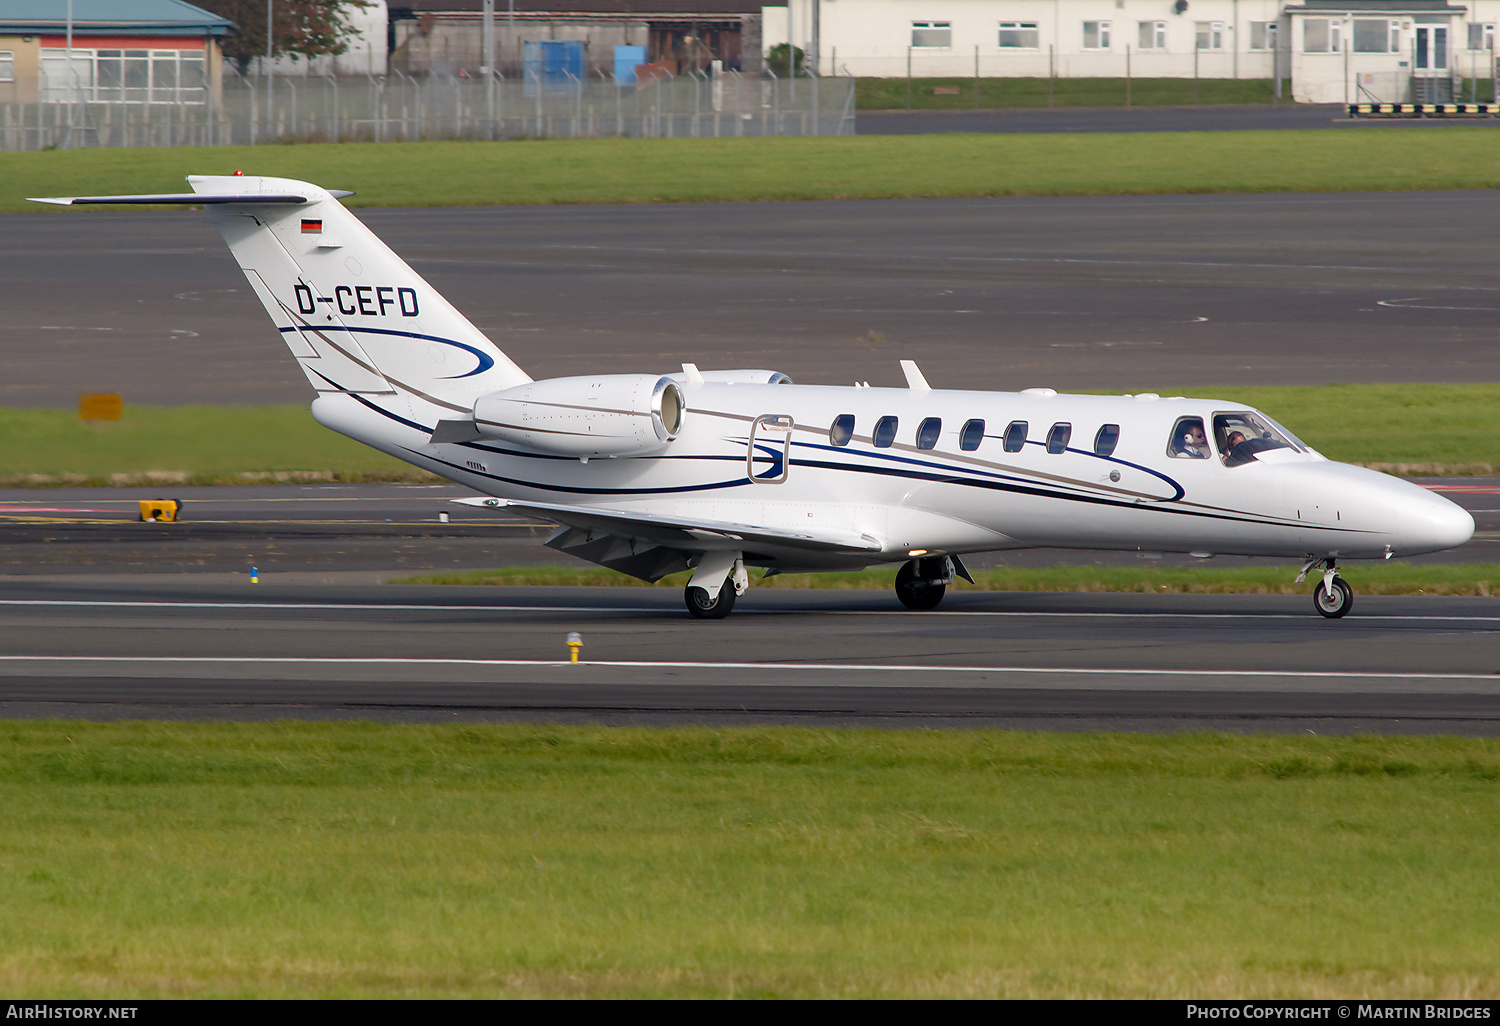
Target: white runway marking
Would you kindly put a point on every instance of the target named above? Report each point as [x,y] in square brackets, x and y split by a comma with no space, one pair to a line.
[663,664]
[674,607]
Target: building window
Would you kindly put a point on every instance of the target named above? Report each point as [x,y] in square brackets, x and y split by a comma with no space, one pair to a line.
[124,76]
[1153,35]
[1020,35]
[934,35]
[1096,35]
[1377,35]
[1210,35]
[972,435]
[1481,37]
[1322,35]
[1263,35]
[7,65]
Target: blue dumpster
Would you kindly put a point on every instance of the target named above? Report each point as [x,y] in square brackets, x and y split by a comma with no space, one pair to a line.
[555,66]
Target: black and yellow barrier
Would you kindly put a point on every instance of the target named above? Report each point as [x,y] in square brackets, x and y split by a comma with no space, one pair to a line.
[161,510]
[1424,110]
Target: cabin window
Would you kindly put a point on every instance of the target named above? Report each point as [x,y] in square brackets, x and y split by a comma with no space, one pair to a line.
[842,429]
[1015,436]
[928,432]
[1106,440]
[971,436]
[1241,436]
[885,432]
[1057,438]
[1188,441]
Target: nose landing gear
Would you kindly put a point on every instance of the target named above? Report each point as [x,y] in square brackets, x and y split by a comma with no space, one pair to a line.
[1332,597]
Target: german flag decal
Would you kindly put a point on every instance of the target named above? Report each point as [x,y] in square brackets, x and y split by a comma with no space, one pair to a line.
[312,226]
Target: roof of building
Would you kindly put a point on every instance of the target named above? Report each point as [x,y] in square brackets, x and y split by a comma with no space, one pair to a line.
[643,10]
[117,17]
[1375,7]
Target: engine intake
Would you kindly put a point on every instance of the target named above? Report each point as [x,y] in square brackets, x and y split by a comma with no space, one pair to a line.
[611,415]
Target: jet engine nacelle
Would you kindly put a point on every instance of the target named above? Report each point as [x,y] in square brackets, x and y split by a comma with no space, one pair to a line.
[609,415]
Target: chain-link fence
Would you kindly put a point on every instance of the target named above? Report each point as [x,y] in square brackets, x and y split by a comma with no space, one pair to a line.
[253,111]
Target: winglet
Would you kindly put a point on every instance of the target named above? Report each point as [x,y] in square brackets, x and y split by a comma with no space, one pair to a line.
[914,379]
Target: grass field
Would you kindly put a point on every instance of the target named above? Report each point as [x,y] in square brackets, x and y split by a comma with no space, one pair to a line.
[356,860]
[859,167]
[185,445]
[1413,429]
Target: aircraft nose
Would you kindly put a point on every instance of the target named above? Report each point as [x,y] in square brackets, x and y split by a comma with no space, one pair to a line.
[1435,524]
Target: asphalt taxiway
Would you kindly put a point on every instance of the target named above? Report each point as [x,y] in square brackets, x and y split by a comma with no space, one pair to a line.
[1168,294]
[190,649]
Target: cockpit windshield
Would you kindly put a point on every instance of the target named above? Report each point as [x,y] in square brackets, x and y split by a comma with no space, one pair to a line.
[1240,436]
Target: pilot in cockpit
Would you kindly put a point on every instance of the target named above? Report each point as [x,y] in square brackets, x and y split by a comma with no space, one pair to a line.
[1188,441]
[1233,439]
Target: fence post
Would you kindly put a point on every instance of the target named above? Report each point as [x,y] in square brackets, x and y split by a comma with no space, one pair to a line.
[814,77]
[1051,71]
[976,76]
[775,105]
[908,78]
[1195,71]
[1127,76]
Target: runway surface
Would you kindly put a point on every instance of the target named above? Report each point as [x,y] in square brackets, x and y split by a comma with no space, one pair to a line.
[176,648]
[1151,293]
[107,618]
[102,616]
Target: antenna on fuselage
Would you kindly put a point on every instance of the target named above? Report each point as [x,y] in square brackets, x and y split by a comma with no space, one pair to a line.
[914,378]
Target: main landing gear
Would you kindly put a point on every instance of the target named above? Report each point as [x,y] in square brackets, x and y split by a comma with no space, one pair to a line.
[719,579]
[922,583]
[1332,597]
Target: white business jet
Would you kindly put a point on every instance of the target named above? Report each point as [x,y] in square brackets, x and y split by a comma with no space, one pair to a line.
[717,471]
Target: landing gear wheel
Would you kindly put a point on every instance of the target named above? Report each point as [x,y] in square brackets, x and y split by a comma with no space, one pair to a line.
[919,593]
[1338,604]
[704,608]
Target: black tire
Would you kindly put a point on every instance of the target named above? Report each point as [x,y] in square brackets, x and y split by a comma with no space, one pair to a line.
[699,604]
[1342,601]
[918,593]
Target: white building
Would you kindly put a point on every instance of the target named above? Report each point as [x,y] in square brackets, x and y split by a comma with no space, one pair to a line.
[1332,51]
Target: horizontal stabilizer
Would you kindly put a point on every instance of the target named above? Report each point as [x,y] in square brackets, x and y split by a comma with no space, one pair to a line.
[189,198]
[680,532]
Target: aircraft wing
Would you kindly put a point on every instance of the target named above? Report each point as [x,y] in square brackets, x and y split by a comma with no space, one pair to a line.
[700,535]
[650,546]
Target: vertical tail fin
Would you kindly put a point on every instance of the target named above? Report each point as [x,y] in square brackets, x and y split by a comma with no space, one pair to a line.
[357,318]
